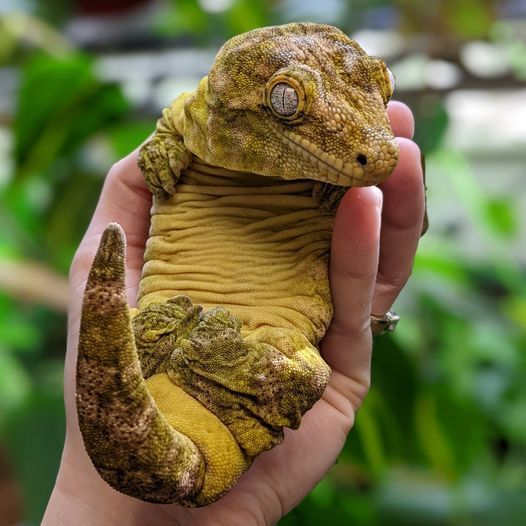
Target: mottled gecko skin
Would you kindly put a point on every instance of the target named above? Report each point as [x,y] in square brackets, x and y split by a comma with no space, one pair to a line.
[176,398]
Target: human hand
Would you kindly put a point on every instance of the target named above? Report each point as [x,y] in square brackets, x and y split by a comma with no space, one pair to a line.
[374,241]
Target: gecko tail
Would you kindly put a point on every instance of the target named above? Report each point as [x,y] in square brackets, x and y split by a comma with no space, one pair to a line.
[129,441]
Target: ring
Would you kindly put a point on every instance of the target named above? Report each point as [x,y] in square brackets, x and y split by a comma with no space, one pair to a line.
[385,323]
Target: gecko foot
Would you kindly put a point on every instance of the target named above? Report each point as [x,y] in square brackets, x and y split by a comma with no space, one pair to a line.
[161,160]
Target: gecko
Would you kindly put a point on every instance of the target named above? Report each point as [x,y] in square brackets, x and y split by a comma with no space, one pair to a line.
[177,396]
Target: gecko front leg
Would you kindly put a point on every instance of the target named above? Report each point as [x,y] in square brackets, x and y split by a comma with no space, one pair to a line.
[164,156]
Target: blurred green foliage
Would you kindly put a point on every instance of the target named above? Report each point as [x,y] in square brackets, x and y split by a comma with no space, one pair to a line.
[188,18]
[441,438]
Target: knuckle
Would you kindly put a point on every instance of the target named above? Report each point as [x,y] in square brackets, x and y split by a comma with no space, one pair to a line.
[394,283]
[352,389]
[354,275]
[388,288]
[351,327]
[362,388]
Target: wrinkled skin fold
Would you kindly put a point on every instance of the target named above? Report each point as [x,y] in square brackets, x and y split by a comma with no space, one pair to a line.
[177,397]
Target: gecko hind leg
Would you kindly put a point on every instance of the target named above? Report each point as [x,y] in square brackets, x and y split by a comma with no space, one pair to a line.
[256,385]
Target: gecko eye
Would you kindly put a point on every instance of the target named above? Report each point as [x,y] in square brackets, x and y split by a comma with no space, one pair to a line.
[285,98]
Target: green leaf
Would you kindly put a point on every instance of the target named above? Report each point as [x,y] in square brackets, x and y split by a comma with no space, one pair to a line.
[469,18]
[186,17]
[502,217]
[15,384]
[18,333]
[432,122]
[323,494]
[34,437]
[495,215]
[245,15]
[433,439]
[60,104]
[367,427]
[126,137]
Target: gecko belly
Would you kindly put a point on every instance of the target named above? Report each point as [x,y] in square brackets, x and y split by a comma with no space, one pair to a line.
[255,245]
[233,299]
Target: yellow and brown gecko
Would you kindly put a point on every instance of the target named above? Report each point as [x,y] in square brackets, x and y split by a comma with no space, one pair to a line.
[177,397]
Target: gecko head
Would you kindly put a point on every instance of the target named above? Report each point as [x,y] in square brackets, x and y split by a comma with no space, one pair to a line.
[299,101]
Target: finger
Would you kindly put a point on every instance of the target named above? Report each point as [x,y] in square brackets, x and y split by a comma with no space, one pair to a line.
[403,124]
[354,261]
[402,218]
[402,120]
[124,200]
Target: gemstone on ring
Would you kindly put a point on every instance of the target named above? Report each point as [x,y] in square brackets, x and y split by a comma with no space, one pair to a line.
[385,323]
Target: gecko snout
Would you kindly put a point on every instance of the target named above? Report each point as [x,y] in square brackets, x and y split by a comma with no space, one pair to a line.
[378,164]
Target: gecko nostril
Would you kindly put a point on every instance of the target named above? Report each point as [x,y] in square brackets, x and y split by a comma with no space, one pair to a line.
[362,159]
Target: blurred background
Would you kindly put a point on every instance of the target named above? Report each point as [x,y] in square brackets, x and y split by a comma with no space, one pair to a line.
[441,439]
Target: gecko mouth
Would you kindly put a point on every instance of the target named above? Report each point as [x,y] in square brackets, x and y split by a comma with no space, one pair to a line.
[331,168]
